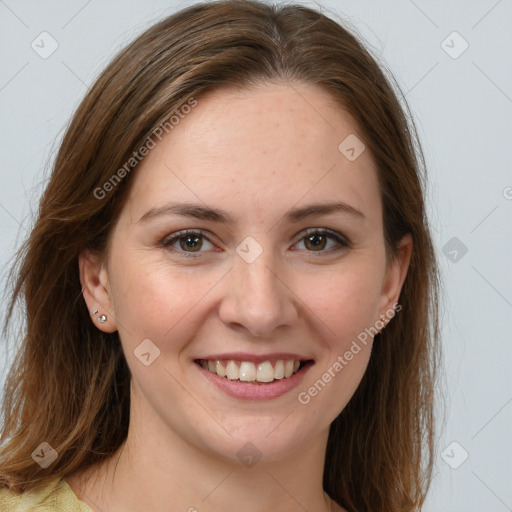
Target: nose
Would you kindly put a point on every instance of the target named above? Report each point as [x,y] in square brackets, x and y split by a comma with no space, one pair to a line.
[258,297]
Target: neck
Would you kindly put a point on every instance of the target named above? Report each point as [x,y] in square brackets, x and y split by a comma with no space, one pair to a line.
[157,469]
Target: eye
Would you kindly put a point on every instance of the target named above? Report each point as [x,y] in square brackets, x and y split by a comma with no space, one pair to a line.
[316,240]
[189,242]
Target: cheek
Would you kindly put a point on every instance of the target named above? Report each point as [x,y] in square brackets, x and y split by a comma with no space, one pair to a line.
[348,306]
[152,298]
[347,300]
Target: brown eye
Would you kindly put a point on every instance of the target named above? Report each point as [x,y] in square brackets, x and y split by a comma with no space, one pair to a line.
[190,242]
[317,240]
[186,243]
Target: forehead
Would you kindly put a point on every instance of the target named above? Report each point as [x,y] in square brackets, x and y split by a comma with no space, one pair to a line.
[265,148]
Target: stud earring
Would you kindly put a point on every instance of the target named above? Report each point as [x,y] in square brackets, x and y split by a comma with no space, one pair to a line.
[102,318]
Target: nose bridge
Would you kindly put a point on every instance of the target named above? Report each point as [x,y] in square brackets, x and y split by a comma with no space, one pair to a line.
[257,297]
[259,281]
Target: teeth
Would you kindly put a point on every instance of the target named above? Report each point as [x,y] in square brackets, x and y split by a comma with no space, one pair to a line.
[232,371]
[279,370]
[265,372]
[247,371]
[288,368]
[221,372]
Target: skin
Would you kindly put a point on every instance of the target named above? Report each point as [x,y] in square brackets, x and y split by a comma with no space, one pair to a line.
[256,153]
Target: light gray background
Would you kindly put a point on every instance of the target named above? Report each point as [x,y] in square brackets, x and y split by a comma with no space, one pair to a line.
[463,108]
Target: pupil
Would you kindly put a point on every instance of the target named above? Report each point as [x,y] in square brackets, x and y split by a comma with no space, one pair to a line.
[191,241]
[318,243]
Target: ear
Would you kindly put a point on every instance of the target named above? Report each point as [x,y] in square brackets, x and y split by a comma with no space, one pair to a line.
[396,272]
[95,289]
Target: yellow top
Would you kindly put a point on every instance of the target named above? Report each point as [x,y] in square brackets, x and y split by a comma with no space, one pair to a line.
[57,496]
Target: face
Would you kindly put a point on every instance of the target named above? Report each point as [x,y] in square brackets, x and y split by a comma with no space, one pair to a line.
[259,280]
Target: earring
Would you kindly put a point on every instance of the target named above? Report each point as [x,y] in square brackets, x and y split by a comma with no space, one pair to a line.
[102,318]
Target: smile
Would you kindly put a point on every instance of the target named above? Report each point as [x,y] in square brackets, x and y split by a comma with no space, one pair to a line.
[250,381]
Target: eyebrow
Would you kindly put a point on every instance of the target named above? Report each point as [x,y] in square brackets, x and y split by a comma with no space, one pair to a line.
[202,212]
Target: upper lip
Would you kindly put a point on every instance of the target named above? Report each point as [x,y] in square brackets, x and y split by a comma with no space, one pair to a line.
[255,358]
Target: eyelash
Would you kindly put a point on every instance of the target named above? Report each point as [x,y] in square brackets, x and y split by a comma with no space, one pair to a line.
[343,242]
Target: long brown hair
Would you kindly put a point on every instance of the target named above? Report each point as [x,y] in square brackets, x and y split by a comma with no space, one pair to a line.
[69,383]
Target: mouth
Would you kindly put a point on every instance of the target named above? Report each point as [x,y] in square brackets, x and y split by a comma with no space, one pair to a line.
[254,381]
[265,372]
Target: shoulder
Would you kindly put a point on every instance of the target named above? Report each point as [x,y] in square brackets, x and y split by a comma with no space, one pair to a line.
[55,496]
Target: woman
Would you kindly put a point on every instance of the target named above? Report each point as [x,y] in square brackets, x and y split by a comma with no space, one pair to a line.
[230,288]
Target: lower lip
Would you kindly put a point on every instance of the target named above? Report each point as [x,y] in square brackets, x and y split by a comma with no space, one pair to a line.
[252,391]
